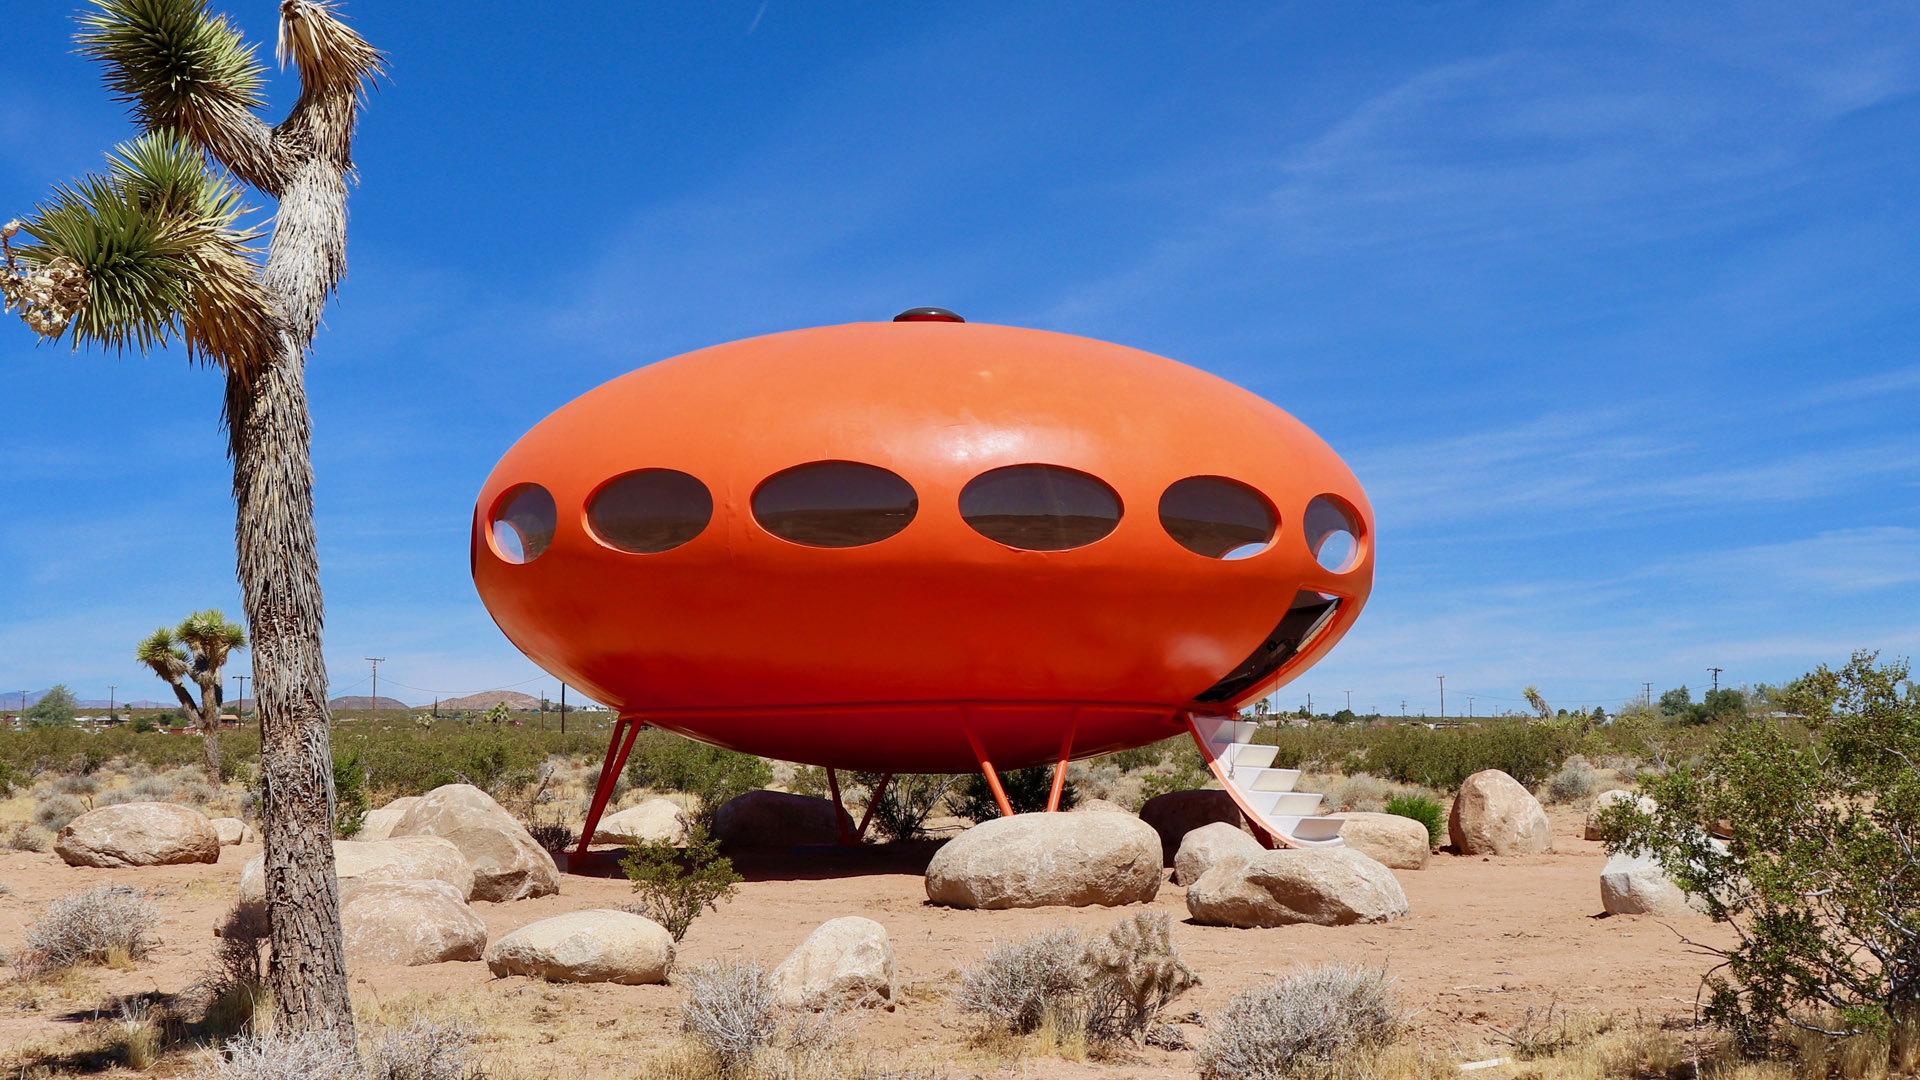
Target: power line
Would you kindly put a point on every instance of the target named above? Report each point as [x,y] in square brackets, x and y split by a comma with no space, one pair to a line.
[375,718]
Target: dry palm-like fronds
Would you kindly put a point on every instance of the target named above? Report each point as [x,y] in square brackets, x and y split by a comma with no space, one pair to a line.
[158,254]
[186,69]
[332,58]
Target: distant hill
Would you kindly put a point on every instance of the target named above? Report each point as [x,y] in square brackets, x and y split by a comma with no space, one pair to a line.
[363,702]
[487,699]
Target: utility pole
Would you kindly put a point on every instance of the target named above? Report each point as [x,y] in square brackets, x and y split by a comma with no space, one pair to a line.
[1403,707]
[1443,696]
[110,693]
[376,690]
[1716,677]
[1469,706]
[240,703]
[563,708]
[1309,704]
[1649,694]
[1349,694]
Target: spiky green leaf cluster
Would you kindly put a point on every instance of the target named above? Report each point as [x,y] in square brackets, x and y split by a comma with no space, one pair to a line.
[157,239]
[175,62]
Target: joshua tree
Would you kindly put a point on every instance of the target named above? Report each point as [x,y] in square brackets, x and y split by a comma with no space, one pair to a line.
[150,252]
[1540,706]
[196,649]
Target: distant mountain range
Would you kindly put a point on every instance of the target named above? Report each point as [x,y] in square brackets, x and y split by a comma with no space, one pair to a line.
[364,702]
[487,699]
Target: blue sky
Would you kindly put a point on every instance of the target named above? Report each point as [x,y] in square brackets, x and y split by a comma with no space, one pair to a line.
[1612,307]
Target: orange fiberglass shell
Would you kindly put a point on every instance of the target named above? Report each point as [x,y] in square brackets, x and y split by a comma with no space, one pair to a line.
[914,546]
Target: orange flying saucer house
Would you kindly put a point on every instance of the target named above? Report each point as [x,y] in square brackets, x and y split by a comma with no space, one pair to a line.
[930,546]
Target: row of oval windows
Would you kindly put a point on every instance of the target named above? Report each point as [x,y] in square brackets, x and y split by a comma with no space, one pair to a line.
[838,504]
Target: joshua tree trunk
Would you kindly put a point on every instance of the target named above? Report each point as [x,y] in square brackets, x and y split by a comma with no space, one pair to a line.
[210,729]
[279,574]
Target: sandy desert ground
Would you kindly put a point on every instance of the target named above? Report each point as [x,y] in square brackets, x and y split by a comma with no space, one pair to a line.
[1487,940]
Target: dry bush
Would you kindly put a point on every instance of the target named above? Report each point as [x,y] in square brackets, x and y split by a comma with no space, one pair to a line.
[53,812]
[1313,1024]
[1080,992]
[307,1056]
[426,1049]
[26,836]
[109,924]
[1361,792]
[729,1010]
[1018,982]
[1576,782]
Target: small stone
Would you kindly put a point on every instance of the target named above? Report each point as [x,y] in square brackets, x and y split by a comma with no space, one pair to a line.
[844,963]
[586,946]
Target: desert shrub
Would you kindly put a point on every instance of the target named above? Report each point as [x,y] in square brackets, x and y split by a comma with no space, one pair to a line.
[553,836]
[144,725]
[53,812]
[425,1049]
[1142,757]
[1305,1025]
[25,836]
[350,799]
[729,1009]
[239,953]
[1100,989]
[77,785]
[1424,810]
[909,799]
[808,780]
[1132,974]
[1027,792]
[667,762]
[10,777]
[1018,982]
[134,1035]
[309,1055]
[1576,782]
[1820,869]
[1413,754]
[145,789]
[111,923]
[672,887]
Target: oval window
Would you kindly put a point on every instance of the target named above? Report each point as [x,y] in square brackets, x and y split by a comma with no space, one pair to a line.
[1217,517]
[1040,507]
[523,523]
[834,504]
[649,511]
[1332,533]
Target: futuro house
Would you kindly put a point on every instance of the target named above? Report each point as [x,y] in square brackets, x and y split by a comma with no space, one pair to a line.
[928,545]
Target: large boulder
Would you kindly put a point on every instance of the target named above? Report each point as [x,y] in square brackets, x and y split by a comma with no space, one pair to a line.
[409,922]
[1330,886]
[1636,885]
[1399,843]
[1495,815]
[845,963]
[378,824]
[232,830]
[1208,845]
[1178,813]
[586,946]
[655,819]
[1609,798]
[777,819]
[1034,860]
[1099,806]
[138,834]
[399,858]
[507,863]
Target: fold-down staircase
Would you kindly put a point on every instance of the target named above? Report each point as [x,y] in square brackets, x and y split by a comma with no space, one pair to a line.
[1263,793]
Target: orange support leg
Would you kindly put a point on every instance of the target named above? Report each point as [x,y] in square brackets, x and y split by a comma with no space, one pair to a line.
[617,751]
[873,800]
[1060,768]
[839,812]
[986,766]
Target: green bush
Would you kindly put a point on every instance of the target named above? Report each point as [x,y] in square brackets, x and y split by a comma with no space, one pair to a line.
[1027,792]
[1819,870]
[350,800]
[1425,811]
[908,800]
[1413,754]
[664,761]
[672,887]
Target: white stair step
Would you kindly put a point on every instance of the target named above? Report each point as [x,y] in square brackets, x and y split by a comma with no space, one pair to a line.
[1245,730]
[1247,755]
[1308,830]
[1278,804]
[1215,729]
[1266,779]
